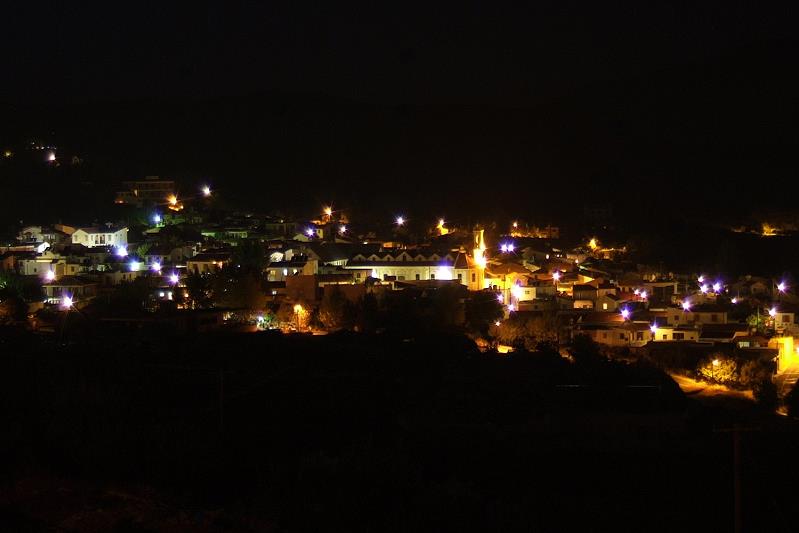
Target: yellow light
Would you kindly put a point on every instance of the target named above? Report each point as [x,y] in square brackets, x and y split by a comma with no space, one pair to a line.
[172,199]
[8,153]
[329,211]
[515,224]
[593,244]
[298,309]
[716,362]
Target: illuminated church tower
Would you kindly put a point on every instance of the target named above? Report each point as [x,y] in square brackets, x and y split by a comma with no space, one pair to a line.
[478,256]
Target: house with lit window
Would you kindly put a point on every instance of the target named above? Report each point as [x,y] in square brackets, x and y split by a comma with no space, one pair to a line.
[100,236]
[207,262]
[79,288]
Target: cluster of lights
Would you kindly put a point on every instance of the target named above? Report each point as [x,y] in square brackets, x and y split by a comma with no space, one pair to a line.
[507,247]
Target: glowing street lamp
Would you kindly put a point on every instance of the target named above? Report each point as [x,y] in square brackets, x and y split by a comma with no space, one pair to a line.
[654,329]
[342,229]
[121,251]
[686,305]
[49,275]
[704,288]
[625,313]
[328,211]
[400,220]
[134,266]
[734,300]
[497,323]
[309,232]
[174,278]
[155,266]
[50,157]
[636,292]
[515,225]
[643,295]
[772,312]
[556,275]
[206,191]
[66,302]
[157,218]
[717,287]
[172,199]
[781,286]
[500,298]
[701,279]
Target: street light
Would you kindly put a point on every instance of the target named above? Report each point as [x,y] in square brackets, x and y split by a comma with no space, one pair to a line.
[400,220]
[298,311]
[206,191]
[66,302]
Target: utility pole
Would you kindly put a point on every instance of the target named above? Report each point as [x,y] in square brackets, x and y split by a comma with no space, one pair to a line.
[221,400]
[736,472]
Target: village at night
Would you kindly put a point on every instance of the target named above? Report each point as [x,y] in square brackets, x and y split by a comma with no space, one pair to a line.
[292,267]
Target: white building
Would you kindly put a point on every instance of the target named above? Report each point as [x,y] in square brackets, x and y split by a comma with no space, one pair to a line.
[91,237]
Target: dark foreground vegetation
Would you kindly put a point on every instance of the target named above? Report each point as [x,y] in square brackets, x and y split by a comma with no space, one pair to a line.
[368,433]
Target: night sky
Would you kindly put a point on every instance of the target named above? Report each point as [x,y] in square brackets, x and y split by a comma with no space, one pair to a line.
[649,108]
